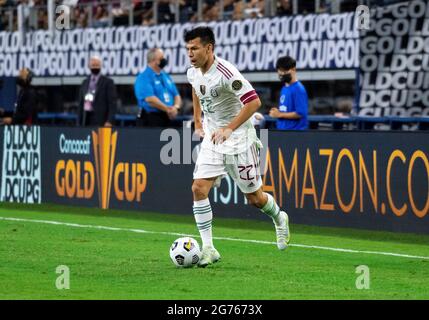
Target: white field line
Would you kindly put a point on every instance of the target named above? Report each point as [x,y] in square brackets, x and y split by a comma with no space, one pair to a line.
[75,225]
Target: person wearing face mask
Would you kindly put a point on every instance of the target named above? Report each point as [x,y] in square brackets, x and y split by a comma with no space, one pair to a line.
[293,107]
[156,93]
[97,98]
[26,105]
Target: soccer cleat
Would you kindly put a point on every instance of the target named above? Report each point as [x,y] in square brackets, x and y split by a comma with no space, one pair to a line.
[282,231]
[209,256]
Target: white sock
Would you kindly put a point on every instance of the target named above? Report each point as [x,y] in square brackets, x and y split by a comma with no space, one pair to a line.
[271,208]
[203,217]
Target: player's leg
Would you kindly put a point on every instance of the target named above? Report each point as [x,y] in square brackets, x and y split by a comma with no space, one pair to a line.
[209,169]
[266,203]
[203,217]
[244,169]
[202,210]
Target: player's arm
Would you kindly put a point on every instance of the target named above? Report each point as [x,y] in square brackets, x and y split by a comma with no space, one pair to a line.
[244,91]
[246,112]
[197,114]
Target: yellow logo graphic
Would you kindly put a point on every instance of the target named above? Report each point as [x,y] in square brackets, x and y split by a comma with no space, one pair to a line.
[78,178]
[188,245]
[104,152]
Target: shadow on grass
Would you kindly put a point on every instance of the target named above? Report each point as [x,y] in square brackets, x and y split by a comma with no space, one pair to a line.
[232,223]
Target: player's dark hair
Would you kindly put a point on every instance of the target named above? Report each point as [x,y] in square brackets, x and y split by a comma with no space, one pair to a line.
[204,33]
[285,63]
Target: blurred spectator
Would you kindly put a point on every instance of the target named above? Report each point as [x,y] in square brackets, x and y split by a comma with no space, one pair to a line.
[70,3]
[255,9]
[187,10]
[121,12]
[284,7]
[324,7]
[42,19]
[305,7]
[81,18]
[3,16]
[239,7]
[26,6]
[344,105]
[165,14]
[147,13]
[211,11]
[228,9]
[97,97]
[147,18]
[26,104]
[245,9]
[99,13]
[101,17]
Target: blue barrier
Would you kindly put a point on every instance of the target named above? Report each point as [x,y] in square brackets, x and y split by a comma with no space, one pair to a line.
[57,118]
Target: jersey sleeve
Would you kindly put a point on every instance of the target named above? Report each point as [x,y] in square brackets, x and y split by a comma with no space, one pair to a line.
[235,83]
[190,75]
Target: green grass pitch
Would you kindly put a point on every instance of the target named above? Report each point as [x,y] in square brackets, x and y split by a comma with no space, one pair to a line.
[122,264]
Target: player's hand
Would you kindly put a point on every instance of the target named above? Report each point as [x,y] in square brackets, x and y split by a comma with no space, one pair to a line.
[199,132]
[220,135]
[275,113]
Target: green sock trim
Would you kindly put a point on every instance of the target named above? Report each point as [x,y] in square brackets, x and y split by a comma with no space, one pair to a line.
[204,224]
[273,211]
[203,207]
[203,211]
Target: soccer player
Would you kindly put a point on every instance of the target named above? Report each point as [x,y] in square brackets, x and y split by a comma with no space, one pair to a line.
[230,144]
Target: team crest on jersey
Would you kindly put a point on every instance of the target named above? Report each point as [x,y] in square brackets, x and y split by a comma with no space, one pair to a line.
[214,93]
[237,84]
[203,89]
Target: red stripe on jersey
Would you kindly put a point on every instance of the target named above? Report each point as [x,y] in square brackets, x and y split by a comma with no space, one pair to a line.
[247,94]
[252,97]
[224,73]
[220,65]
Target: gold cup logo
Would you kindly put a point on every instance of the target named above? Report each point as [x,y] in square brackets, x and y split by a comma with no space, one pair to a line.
[104,151]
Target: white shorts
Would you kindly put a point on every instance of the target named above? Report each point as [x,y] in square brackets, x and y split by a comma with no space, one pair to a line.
[243,168]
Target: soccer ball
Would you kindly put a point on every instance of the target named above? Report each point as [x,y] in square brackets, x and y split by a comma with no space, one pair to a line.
[185,252]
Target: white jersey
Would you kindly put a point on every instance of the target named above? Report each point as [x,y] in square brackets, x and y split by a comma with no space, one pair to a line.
[222,92]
